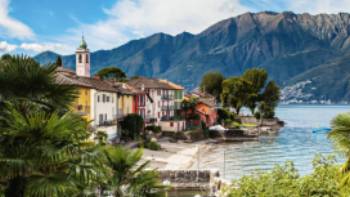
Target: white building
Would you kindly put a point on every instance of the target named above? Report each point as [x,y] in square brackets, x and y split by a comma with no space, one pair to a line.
[162,101]
[103,96]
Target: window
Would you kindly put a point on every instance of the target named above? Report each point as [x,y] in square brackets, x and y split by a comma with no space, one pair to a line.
[158,103]
[112,99]
[80,58]
[107,98]
[103,98]
[87,58]
[79,107]
[158,92]
[98,98]
[105,117]
[158,114]
[100,119]
[171,124]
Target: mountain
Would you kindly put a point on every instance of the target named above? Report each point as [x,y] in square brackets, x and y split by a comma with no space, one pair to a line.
[293,48]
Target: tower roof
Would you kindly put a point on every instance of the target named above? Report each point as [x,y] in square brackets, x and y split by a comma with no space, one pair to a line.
[83,44]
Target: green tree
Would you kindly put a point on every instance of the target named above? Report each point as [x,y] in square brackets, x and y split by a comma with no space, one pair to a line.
[284,181]
[112,73]
[132,126]
[25,82]
[212,83]
[270,99]
[340,137]
[6,56]
[257,78]
[235,92]
[129,177]
[44,149]
[59,61]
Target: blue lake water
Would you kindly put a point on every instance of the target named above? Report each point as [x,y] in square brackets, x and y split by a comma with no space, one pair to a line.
[295,142]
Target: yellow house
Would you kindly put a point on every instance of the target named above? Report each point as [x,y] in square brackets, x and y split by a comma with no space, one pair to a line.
[125,104]
[82,103]
[126,96]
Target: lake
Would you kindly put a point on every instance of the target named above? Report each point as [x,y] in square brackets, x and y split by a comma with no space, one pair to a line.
[295,142]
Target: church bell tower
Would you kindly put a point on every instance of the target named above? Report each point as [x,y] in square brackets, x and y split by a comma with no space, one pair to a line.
[82,59]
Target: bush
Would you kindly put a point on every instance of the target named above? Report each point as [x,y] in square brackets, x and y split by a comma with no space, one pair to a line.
[132,126]
[205,129]
[224,115]
[154,128]
[284,181]
[152,145]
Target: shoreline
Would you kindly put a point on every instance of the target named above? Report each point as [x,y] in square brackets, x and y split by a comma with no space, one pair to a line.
[176,156]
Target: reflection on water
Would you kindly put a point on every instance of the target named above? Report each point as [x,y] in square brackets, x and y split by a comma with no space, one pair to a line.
[295,142]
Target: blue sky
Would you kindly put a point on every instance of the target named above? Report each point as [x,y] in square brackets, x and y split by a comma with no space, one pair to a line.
[33,26]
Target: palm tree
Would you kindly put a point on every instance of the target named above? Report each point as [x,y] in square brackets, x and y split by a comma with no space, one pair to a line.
[46,154]
[24,81]
[129,174]
[44,150]
[340,136]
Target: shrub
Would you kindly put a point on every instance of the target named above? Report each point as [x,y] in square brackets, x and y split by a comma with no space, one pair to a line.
[152,145]
[154,128]
[284,181]
[224,115]
[205,129]
[132,126]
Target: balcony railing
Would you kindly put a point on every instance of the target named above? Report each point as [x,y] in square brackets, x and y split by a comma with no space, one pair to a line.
[171,118]
[168,107]
[167,97]
[107,123]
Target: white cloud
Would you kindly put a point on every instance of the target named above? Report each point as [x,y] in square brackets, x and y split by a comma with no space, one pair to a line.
[40,47]
[5,47]
[130,19]
[11,27]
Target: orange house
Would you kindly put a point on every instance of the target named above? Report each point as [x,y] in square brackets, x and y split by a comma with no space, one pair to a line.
[207,112]
[204,109]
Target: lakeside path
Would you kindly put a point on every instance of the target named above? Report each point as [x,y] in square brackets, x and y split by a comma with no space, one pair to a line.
[175,156]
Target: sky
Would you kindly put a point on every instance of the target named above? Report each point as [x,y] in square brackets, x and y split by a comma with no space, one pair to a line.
[33,26]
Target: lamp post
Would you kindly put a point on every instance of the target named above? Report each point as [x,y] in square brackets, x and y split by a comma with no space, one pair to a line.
[166,183]
[224,171]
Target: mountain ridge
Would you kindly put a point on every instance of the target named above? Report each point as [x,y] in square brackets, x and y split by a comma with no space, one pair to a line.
[285,44]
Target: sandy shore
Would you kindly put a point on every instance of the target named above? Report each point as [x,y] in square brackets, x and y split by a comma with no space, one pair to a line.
[175,156]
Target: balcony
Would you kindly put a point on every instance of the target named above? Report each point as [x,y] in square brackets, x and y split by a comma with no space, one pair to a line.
[107,123]
[167,97]
[168,107]
[171,118]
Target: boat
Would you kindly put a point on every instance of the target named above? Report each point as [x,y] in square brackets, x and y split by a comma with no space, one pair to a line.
[321,130]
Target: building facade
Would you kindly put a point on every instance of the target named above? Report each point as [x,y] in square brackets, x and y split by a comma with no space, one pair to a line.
[161,101]
[97,99]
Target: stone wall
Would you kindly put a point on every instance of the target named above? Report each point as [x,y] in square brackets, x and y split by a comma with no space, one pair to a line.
[265,122]
[189,178]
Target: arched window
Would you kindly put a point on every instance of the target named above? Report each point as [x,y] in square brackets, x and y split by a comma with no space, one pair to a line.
[87,58]
[80,58]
